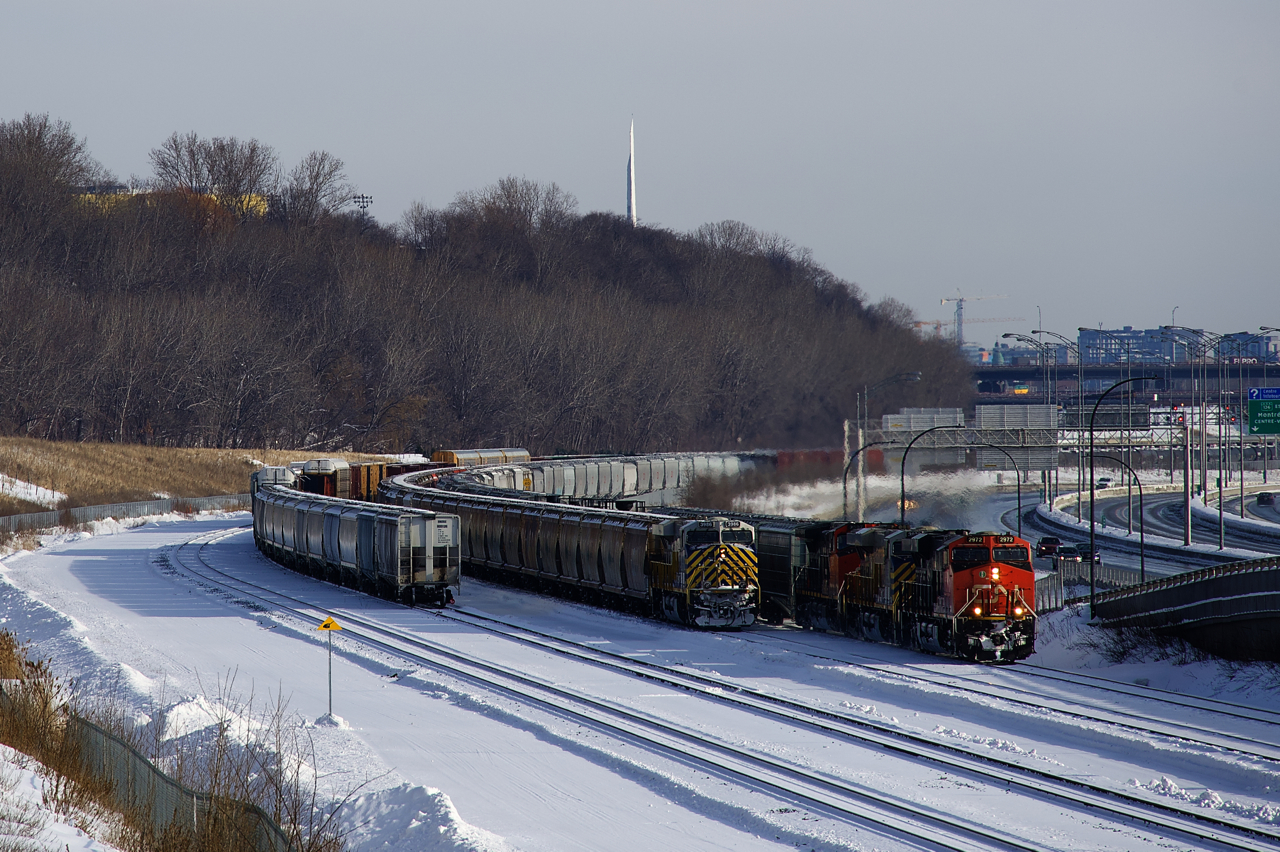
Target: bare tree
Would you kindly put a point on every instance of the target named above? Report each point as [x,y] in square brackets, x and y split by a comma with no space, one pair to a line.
[181,163]
[239,174]
[316,187]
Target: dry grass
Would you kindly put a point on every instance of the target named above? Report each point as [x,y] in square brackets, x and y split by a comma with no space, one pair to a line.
[94,474]
[14,506]
[37,719]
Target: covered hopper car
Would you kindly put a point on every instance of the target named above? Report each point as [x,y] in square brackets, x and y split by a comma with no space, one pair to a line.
[400,553]
[696,571]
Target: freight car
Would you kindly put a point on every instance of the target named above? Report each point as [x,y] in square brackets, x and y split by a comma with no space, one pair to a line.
[400,553]
[477,458]
[697,571]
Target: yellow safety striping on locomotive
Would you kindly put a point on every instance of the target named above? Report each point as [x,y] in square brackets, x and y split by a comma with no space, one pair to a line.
[722,566]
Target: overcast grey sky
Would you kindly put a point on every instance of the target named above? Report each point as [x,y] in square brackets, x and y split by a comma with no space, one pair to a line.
[1104,161]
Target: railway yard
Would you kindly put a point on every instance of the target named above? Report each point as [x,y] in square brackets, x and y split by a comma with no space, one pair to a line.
[514,720]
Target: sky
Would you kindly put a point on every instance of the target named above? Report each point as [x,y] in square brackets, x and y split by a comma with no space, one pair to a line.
[1058,164]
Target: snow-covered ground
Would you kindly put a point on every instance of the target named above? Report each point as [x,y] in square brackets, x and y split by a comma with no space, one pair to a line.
[435,760]
[31,493]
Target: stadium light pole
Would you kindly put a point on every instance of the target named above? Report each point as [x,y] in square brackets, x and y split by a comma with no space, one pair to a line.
[1093,540]
[902,494]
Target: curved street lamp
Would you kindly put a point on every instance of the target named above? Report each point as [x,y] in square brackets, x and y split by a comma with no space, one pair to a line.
[1042,348]
[1018,471]
[849,463]
[862,415]
[1142,522]
[1075,346]
[902,495]
[1093,539]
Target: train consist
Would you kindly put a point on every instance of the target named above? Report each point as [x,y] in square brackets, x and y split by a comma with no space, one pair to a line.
[547,526]
[953,592]
[697,571]
[404,554]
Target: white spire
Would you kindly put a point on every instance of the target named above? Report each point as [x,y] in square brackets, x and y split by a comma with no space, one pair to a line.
[631,176]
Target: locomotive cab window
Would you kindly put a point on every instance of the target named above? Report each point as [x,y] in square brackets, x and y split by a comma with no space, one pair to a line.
[701,537]
[970,555]
[1012,555]
[736,537]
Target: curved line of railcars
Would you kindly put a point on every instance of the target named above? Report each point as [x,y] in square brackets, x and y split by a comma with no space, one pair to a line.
[952,592]
[643,561]
[400,553]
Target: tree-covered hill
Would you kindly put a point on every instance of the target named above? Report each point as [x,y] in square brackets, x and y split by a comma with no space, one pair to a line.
[228,301]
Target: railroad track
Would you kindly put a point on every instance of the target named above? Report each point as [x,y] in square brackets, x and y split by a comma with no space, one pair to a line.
[1021,697]
[820,791]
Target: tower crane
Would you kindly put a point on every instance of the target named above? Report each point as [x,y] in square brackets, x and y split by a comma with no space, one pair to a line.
[960,299]
[939,324]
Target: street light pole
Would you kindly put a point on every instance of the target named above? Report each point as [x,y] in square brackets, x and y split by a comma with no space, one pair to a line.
[1018,471]
[1079,412]
[902,495]
[1093,539]
[1142,525]
[864,424]
[849,463]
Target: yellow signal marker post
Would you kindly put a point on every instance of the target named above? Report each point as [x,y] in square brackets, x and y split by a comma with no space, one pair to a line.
[329,626]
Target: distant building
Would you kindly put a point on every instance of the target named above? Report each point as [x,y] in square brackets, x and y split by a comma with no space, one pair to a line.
[1157,346]
[1131,345]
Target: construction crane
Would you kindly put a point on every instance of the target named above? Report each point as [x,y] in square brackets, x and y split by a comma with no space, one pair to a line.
[938,324]
[960,299]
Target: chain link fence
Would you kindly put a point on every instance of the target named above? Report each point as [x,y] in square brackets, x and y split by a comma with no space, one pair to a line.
[138,786]
[87,514]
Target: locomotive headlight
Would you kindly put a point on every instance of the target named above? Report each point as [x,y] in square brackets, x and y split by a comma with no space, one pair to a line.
[1017,610]
[995,573]
[977,610]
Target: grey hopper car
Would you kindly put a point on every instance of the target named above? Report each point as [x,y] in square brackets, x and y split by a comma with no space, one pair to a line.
[406,554]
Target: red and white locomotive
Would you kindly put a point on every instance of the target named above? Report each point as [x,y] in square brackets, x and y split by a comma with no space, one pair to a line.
[944,591]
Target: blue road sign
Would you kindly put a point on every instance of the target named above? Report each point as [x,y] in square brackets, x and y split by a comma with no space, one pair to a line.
[1264,393]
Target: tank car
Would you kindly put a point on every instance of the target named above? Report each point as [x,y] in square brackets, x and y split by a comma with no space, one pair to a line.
[399,553]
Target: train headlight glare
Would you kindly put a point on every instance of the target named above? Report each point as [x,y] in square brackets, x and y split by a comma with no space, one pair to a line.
[977,610]
[995,573]
[1017,610]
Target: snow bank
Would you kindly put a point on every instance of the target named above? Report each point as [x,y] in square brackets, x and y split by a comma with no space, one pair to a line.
[412,819]
[25,820]
[31,493]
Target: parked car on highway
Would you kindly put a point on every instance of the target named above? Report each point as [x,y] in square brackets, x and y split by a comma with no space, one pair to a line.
[1047,545]
[1266,498]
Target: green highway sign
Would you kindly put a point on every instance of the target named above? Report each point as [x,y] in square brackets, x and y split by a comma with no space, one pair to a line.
[1264,411]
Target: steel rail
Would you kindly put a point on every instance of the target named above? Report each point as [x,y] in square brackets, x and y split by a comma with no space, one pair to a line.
[1038,782]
